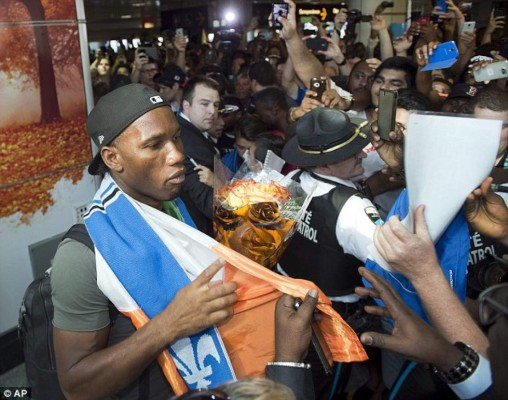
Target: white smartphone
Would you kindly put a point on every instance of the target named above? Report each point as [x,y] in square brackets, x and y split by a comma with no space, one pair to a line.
[495,70]
[468,27]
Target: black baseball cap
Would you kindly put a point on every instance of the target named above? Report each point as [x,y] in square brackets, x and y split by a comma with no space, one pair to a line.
[463,90]
[172,74]
[115,111]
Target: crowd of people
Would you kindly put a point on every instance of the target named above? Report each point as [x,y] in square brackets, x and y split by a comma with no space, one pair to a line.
[160,128]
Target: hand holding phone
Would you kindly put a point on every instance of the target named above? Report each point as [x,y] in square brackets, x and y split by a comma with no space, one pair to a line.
[316,44]
[492,71]
[468,27]
[443,56]
[318,85]
[279,10]
[386,113]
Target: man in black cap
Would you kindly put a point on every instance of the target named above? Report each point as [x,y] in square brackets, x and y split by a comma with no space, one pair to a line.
[170,84]
[98,351]
[460,99]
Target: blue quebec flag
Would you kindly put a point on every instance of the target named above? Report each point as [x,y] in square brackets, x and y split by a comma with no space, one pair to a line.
[452,250]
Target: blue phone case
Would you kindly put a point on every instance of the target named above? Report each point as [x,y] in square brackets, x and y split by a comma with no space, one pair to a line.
[444,56]
[442,4]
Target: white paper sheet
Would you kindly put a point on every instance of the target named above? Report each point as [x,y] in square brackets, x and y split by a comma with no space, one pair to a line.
[446,157]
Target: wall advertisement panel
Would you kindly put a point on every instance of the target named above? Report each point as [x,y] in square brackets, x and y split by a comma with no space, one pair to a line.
[44,148]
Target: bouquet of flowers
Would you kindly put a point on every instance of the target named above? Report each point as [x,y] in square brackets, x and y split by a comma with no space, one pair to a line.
[257,212]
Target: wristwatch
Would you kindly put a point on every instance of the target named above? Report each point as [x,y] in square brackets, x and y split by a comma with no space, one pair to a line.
[464,368]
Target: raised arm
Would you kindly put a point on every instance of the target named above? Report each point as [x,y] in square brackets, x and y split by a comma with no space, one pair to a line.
[306,65]
[378,24]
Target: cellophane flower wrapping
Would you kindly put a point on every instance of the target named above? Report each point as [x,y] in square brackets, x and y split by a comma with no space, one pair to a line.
[257,211]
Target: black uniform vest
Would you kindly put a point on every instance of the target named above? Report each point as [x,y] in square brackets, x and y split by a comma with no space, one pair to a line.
[314,252]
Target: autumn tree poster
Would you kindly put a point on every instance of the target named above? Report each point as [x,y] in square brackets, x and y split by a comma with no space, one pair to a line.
[44,148]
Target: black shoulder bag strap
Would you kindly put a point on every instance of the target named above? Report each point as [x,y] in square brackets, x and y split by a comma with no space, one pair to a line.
[79,233]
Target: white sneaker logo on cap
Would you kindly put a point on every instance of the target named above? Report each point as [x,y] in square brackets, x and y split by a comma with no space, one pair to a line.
[101,139]
[156,99]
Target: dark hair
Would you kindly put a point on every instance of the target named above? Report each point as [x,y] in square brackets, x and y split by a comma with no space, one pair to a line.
[250,127]
[231,99]
[221,80]
[121,65]
[271,97]
[190,86]
[263,73]
[265,142]
[486,48]
[212,69]
[459,105]
[492,99]
[412,99]
[400,64]
[244,72]
[117,81]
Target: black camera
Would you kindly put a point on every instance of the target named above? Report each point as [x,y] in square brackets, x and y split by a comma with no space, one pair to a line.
[488,272]
[229,40]
[355,16]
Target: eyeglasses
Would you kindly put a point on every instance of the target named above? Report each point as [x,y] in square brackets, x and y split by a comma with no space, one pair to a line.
[401,127]
[491,310]
[204,394]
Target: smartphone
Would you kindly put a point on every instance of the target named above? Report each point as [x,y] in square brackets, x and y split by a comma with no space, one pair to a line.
[318,85]
[495,70]
[468,27]
[150,51]
[316,44]
[499,10]
[179,32]
[279,10]
[442,5]
[443,56]
[386,112]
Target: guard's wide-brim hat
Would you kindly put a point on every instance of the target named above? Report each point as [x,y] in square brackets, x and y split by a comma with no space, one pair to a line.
[115,111]
[325,136]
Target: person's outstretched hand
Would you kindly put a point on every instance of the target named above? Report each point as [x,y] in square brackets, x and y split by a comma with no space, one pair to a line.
[411,336]
[487,212]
